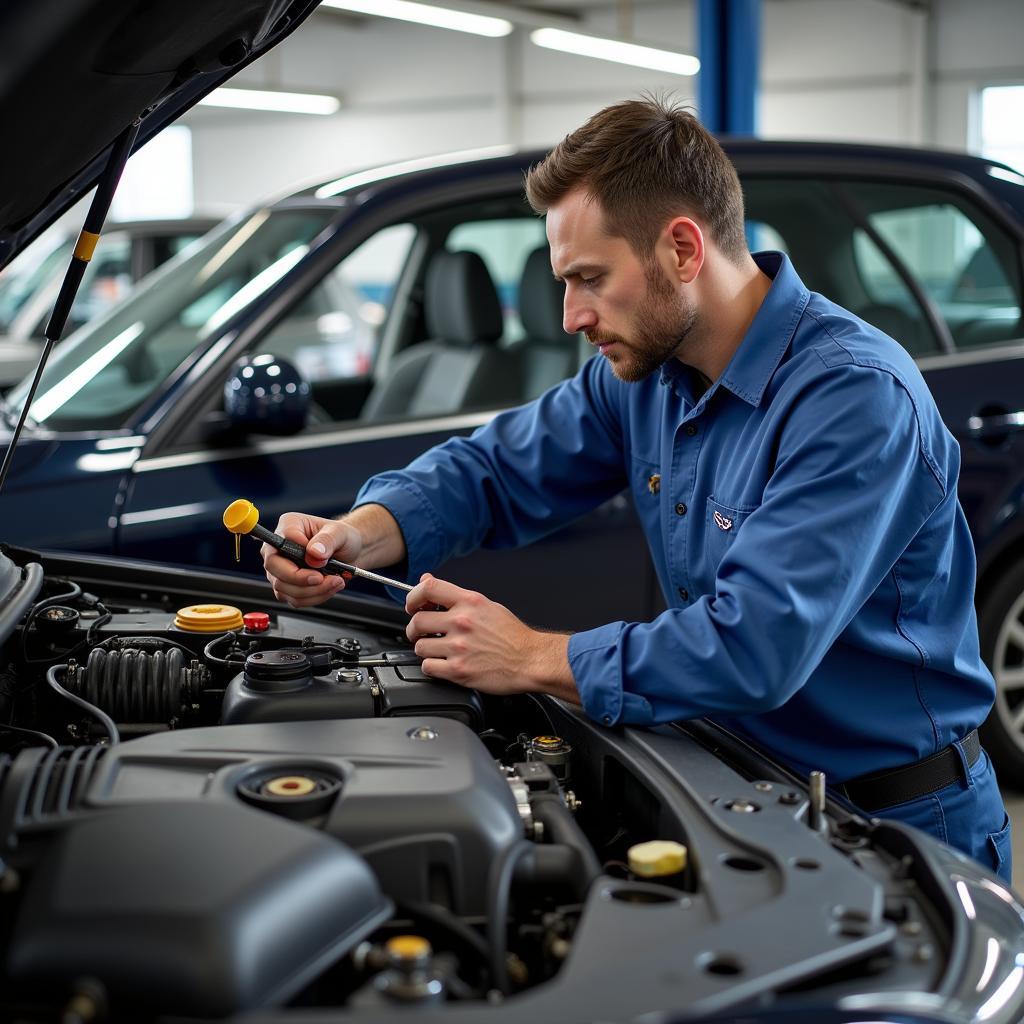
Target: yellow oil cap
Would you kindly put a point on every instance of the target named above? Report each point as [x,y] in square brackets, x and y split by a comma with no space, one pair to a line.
[209,618]
[241,516]
[657,858]
[408,947]
[290,785]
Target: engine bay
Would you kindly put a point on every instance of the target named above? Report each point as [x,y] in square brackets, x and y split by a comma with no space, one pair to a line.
[220,806]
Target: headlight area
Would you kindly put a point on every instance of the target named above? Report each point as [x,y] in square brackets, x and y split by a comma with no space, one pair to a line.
[211,805]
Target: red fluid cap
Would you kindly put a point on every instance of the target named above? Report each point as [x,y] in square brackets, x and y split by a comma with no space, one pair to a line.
[256,622]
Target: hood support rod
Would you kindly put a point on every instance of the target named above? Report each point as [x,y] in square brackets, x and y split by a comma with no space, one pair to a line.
[86,245]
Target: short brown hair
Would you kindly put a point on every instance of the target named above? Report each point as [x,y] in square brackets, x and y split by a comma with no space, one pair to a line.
[646,161]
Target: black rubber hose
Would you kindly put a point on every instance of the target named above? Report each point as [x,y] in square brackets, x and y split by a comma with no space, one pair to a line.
[561,827]
[105,720]
[499,886]
[442,918]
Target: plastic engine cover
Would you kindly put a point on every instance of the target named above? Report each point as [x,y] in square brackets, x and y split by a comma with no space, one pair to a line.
[198,908]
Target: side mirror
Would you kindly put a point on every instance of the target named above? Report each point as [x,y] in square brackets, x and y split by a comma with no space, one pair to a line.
[266,395]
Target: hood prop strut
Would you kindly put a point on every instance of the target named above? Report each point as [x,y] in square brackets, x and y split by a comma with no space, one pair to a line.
[86,245]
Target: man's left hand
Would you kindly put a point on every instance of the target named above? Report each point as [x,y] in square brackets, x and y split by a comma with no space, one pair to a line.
[479,643]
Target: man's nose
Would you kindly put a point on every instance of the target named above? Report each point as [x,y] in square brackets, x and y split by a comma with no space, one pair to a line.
[576,316]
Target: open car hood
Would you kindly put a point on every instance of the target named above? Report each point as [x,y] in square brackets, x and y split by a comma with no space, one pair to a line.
[75,73]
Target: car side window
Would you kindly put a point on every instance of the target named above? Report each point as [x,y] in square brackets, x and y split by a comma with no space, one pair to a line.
[331,334]
[504,246]
[812,221]
[968,265]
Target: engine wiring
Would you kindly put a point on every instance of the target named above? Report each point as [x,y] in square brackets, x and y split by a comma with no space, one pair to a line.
[104,719]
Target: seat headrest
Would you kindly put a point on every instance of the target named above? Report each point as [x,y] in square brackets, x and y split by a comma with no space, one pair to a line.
[541,298]
[461,302]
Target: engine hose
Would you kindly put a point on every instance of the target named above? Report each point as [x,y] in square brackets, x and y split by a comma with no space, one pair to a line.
[554,864]
[105,720]
[135,685]
[499,886]
[561,827]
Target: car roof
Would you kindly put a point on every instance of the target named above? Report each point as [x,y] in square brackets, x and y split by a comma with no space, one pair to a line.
[750,155]
[79,72]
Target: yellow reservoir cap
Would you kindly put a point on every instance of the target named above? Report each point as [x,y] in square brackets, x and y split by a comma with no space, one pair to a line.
[657,858]
[290,785]
[408,947]
[241,516]
[209,618]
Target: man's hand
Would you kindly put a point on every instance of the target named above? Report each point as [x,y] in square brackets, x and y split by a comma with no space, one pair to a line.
[479,643]
[368,536]
[322,539]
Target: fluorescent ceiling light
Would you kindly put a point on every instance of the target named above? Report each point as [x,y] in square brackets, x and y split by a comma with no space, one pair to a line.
[614,50]
[426,14]
[263,99]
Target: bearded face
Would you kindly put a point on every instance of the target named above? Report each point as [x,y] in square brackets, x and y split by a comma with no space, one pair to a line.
[660,324]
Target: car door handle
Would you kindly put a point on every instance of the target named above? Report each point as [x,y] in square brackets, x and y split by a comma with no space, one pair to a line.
[995,426]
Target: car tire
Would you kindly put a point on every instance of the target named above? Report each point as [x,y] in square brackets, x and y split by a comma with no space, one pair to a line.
[1001,631]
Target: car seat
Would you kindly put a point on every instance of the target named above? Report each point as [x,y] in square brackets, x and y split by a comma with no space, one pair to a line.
[548,354]
[461,366]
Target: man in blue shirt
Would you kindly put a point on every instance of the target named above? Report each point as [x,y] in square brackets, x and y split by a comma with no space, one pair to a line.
[792,474]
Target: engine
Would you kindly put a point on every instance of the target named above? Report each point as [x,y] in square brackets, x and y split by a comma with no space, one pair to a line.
[212,806]
[214,809]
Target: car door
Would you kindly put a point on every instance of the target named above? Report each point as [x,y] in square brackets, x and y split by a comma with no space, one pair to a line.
[341,333]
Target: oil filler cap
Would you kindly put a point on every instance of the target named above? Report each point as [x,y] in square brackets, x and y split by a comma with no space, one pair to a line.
[209,618]
[657,858]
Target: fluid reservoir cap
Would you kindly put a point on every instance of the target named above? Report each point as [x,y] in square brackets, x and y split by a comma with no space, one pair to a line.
[209,618]
[657,858]
[256,622]
[241,516]
[408,948]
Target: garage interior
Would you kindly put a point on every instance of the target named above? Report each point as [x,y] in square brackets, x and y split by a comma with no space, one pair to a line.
[366,93]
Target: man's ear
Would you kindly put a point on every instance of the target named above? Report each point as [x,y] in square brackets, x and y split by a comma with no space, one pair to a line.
[686,241]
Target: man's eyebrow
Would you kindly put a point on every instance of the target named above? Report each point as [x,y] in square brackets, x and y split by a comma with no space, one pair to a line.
[575,269]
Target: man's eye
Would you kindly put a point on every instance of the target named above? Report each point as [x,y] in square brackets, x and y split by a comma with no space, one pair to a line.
[590,282]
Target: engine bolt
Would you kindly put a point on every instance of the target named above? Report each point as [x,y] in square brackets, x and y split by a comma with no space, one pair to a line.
[742,806]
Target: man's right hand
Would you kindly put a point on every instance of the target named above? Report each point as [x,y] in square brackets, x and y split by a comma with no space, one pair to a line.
[322,539]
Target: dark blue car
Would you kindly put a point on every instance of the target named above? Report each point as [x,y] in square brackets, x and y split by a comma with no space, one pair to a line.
[416,301]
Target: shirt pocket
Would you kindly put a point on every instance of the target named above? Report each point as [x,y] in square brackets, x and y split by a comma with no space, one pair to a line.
[722,523]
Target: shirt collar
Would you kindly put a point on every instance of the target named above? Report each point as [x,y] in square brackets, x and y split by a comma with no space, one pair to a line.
[767,338]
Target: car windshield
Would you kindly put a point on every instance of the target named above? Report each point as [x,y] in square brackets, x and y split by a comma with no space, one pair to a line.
[104,372]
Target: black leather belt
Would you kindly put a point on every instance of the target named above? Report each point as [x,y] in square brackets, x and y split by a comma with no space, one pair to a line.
[879,790]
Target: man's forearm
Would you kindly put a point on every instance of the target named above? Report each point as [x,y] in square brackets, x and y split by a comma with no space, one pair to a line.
[383,542]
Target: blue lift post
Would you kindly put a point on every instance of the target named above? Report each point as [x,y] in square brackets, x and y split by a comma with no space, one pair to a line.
[729,36]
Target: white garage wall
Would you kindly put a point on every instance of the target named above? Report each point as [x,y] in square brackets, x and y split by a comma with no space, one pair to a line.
[864,70]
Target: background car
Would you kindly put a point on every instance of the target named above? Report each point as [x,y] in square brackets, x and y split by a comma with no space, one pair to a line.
[127,252]
[376,284]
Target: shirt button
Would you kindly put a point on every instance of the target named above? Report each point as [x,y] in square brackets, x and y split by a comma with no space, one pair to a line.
[607,719]
[680,509]
[690,430]
[684,593]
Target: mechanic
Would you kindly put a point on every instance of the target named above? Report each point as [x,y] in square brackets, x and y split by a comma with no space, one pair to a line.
[796,484]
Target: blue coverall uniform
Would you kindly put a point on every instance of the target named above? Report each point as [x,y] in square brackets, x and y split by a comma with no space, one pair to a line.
[806,532]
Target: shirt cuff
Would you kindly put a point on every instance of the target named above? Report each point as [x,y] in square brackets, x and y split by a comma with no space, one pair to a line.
[417,519]
[597,670]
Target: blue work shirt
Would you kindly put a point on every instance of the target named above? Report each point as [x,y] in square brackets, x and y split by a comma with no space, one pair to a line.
[803,519]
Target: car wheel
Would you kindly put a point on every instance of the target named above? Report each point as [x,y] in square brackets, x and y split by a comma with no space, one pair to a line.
[1001,630]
